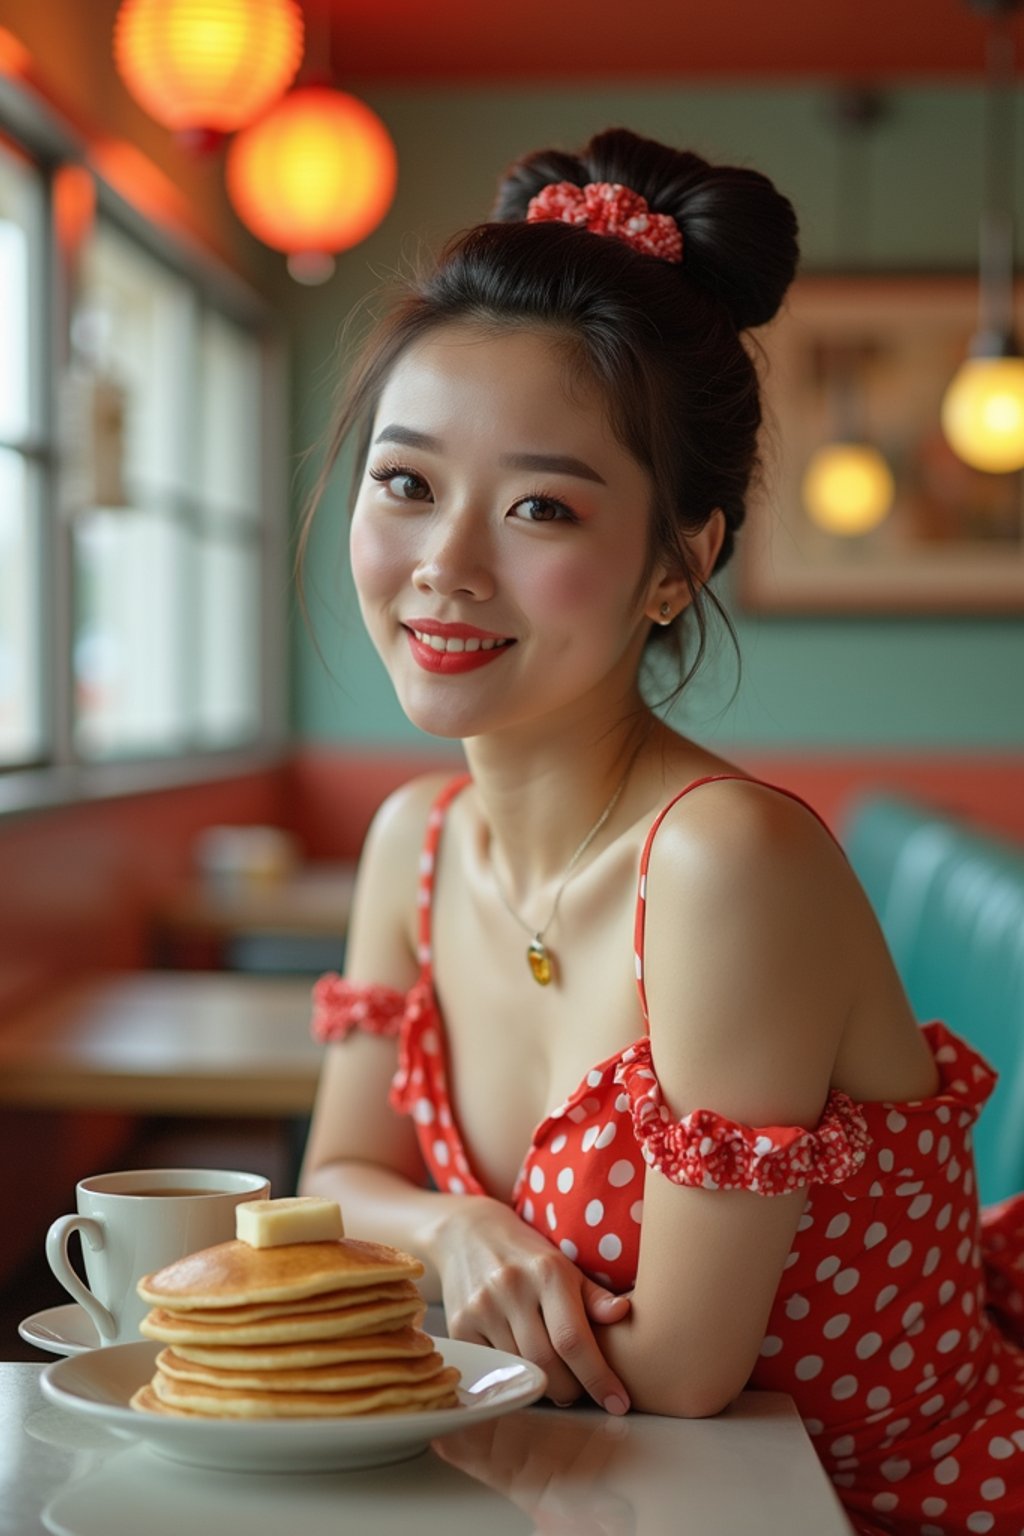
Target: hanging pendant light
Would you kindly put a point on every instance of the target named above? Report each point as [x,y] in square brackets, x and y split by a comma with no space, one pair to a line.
[847,486]
[983,408]
[204,68]
[313,177]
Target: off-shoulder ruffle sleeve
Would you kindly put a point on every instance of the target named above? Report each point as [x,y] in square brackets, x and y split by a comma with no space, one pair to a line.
[339,1006]
[707,1151]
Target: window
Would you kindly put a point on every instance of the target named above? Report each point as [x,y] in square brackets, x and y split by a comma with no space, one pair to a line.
[165,403]
[137,530]
[23,461]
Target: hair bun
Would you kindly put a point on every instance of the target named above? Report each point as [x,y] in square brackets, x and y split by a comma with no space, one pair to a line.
[739,232]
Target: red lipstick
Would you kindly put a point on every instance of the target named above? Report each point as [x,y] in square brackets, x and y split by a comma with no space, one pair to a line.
[469,655]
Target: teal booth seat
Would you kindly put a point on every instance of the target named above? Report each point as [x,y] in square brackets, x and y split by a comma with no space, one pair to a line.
[951,905]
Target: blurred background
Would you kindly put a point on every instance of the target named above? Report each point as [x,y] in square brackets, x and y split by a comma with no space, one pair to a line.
[188,767]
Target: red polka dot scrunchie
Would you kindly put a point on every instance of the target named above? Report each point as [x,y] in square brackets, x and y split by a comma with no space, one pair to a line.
[609,208]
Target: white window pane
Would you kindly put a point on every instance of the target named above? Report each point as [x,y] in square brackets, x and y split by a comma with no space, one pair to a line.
[20,261]
[130,574]
[230,434]
[20,680]
[133,329]
[229,671]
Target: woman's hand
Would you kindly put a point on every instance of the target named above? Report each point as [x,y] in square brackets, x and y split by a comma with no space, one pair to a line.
[506,1286]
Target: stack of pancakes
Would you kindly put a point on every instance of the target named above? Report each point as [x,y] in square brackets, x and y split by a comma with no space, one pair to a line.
[306,1330]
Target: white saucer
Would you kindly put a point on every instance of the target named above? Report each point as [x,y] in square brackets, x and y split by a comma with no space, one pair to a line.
[100,1383]
[67,1330]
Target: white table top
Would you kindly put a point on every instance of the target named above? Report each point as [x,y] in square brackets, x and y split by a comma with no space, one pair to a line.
[538,1471]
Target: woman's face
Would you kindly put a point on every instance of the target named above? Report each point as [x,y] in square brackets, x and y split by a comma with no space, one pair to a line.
[500,537]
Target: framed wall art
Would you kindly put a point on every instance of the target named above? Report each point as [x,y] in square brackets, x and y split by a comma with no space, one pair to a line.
[870,358]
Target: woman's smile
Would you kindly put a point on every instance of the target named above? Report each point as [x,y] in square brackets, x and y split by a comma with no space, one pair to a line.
[452,648]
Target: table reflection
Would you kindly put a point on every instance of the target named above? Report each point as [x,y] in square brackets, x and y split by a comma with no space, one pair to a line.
[564,1471]
[539,1472]
[136,1489]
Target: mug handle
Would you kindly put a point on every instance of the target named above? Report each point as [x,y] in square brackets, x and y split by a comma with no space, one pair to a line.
[91,1232]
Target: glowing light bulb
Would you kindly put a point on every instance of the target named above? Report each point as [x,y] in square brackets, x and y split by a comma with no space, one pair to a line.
[983,414]
[207,66]
[314,176]
[848,488]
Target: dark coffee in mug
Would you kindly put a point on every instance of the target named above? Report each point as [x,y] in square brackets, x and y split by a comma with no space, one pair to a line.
[158,1194]
[135,1222]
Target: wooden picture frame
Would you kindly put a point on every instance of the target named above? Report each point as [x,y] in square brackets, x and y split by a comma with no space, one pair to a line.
[885,347]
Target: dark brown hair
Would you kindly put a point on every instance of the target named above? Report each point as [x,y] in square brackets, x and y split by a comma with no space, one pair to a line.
[661,340]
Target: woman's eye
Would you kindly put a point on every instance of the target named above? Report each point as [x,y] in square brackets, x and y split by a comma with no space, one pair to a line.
[542,509]
[405,483]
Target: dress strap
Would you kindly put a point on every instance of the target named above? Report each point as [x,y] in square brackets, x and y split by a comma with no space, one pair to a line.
[640,918]
[428,860]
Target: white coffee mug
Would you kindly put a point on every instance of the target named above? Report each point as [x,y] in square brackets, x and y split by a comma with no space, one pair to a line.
[132,1224]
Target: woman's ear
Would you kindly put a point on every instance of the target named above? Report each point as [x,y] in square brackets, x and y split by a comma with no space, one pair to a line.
[671,593]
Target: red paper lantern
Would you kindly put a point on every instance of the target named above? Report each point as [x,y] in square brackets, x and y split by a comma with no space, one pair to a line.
[207,66]
[316,175]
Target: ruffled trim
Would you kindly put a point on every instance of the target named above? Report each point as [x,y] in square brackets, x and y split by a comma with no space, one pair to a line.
[965,1076]
[340,1006]
[705,1150]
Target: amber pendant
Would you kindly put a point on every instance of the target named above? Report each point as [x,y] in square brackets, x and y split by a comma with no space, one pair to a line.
[540,963]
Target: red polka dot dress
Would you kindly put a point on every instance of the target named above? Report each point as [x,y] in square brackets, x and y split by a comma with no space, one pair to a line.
[898,1325]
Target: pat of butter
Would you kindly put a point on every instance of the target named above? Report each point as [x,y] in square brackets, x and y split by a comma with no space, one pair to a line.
[276,1223]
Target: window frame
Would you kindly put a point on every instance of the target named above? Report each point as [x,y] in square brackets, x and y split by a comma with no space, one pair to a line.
[35,132]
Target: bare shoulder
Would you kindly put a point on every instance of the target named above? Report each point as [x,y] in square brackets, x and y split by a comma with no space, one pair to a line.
[744,841]
[381,944]
[400,823]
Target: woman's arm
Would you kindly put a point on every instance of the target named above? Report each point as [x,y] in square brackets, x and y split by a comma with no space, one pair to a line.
[360,1152]
[748,1001]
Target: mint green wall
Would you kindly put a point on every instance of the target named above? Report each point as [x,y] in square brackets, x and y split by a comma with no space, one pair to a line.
[956,683]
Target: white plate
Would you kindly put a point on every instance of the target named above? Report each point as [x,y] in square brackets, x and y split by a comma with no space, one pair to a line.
[100,1383]
[67,1330]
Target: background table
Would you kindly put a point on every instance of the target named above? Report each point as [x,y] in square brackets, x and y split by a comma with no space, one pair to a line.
[749,1472]
[174,1043]
[297,922]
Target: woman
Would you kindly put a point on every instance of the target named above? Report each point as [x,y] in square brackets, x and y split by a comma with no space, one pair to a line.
[625,1005]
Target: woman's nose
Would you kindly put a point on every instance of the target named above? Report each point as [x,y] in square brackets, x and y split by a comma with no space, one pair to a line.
[455,558]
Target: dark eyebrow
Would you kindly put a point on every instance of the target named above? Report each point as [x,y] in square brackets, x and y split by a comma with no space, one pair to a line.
[552,463]
[406,435]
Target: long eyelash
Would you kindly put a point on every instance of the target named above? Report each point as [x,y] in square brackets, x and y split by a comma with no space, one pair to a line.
[390,471]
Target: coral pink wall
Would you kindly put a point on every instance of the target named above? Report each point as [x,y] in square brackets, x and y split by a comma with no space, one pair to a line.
[80,881]
[334,793]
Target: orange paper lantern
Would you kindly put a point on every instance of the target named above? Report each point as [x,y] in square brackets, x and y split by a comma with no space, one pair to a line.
[316,175]
[207,66]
